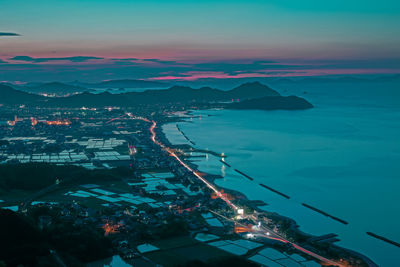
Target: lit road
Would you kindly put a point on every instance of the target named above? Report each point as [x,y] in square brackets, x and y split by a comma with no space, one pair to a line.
[173,154]
[259,231]
[195,173]
[263,231]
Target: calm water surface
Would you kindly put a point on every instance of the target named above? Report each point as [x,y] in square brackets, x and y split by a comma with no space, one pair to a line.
[343,159]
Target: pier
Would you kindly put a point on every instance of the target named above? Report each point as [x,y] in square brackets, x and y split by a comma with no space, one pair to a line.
[275,191]
[324,213]
[245,175]
[384,239]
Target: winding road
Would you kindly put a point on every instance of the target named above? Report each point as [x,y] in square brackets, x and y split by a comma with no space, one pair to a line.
[262,230]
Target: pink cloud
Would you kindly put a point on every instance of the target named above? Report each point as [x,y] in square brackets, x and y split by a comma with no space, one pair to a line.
[195,75]
[14,82]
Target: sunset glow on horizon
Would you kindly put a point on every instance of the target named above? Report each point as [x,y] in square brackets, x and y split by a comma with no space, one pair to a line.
[125,39]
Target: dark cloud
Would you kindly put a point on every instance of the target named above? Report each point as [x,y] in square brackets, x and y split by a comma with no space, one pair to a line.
[261,62]
[156,60]
[387,63]
[47,59]
[152,60]
[125,59]
[133,68]
[9,34]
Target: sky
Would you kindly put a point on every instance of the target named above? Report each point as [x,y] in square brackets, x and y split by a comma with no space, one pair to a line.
[188,40]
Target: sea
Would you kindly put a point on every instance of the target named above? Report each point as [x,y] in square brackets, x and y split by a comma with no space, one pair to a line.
[342,157]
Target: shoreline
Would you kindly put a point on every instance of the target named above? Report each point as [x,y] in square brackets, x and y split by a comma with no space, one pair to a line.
[294,227]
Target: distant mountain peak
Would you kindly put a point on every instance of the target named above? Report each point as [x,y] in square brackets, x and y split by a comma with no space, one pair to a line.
[253,89]
[129,83]
[175,94]
[252,83]
[9,95]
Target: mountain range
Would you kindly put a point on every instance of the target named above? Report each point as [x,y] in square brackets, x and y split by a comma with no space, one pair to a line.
[311,80]
[70,88]
[127,83]
[56,88]
[11,96]
[173,95]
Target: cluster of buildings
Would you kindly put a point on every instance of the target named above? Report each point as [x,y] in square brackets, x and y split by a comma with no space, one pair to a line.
[158,199]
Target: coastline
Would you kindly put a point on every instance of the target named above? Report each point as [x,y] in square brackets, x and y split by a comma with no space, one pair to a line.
[294,227]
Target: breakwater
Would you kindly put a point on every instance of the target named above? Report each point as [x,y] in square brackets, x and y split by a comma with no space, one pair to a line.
[245,175]
[213,162]
[384,239]
[225,163]
[184,135]
[275,191]
[324,213]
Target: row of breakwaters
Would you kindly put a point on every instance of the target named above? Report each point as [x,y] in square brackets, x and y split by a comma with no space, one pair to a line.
[280,193]
[324,213]
[329,238]
[184,135]
[263,185]
[288,197]
[384,239]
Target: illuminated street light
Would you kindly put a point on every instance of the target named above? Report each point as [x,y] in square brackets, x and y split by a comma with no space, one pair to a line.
[250,235]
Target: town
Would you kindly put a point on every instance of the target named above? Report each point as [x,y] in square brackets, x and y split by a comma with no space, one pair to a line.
[109,180]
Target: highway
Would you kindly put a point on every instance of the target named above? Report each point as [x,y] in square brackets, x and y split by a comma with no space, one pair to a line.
[260,230]
[263,231]
[173,154]
[194,172]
